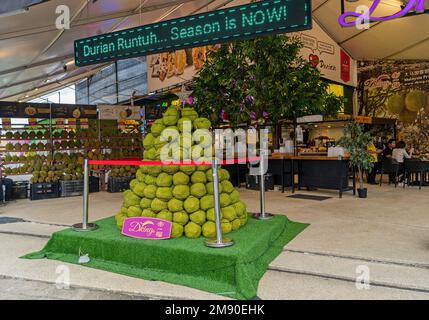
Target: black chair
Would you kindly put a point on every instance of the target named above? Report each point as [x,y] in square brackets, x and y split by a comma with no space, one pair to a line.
[389,166]
[417,167]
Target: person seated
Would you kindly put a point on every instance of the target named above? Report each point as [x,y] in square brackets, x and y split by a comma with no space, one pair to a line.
[388,150]
[399,154]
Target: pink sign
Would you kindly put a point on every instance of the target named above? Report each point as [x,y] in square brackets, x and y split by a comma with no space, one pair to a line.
[147,228]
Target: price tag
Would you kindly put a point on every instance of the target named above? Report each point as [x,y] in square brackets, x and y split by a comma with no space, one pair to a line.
[6,122]
[72,123]
[84,123]
[59,123]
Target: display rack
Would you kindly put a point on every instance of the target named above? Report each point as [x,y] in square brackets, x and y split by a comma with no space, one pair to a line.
[100,140]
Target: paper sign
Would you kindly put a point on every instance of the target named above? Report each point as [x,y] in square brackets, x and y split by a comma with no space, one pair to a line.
[363,119]
[6,122]
[147,228]
[84,123]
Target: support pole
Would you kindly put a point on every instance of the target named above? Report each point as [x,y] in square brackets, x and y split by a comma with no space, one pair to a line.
[219,241]
[85,225]
[262,215]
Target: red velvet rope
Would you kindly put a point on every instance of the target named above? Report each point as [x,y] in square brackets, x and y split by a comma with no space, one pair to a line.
[172,163]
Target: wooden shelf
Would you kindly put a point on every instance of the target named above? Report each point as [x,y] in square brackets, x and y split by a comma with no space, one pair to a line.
[6,151]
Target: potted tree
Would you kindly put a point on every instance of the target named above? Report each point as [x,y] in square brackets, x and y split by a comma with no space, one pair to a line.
[355,140]
[261,80]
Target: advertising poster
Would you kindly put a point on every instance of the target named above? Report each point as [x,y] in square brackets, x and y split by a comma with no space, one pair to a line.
[110,112]
[400,90]
[170,68]
[326,55]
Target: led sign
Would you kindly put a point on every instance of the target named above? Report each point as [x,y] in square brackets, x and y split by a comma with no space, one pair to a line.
[240,22]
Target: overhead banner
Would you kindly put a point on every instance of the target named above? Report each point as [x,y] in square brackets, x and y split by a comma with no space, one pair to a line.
[111,112]
[43,110]
[235,23]
[327,56]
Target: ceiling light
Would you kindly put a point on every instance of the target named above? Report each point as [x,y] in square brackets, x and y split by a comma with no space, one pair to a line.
[37,89]
[27,96]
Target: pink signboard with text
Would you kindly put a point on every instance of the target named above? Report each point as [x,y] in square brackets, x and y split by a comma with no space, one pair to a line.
[147,228]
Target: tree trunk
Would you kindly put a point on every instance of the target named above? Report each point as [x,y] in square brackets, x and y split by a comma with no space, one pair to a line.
[360,176]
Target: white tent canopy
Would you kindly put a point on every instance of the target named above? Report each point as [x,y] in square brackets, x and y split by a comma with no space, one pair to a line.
[33,53]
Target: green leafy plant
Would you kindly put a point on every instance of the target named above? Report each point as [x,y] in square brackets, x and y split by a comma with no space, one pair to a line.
[356,141]
[260,79]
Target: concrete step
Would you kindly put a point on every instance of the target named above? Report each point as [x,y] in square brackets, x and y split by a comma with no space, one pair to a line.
[277,285]
[387,274]
[27,228]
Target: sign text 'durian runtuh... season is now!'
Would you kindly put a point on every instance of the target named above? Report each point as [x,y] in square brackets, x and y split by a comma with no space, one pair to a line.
[240,22]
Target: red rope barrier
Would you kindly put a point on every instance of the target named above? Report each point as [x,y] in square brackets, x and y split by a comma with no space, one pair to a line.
[166,163]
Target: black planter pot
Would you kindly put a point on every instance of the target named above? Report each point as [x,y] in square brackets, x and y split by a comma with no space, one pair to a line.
[363,193]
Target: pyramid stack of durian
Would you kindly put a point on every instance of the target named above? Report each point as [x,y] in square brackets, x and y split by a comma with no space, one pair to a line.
[182,194]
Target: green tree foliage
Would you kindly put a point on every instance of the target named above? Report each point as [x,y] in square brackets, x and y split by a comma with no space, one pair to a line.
[261,78]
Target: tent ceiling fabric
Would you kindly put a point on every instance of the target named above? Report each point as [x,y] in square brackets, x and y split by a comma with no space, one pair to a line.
[392,39]
[32,50]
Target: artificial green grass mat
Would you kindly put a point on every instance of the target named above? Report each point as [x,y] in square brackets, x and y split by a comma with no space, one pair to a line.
[234,272]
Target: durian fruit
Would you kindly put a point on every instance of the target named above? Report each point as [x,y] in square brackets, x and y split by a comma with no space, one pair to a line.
[9,147]
[181,193]
[25,147]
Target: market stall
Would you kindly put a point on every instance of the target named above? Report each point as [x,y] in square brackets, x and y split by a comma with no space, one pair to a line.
[43,147]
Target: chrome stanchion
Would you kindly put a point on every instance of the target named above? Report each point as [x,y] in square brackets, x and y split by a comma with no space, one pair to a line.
[262,215]
[85,225]
[219,241]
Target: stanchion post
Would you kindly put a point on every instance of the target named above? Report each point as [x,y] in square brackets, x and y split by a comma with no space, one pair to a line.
[85,225]
[219,241]
[262,215]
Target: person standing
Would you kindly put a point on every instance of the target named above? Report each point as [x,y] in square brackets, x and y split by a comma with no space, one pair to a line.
[375,159]
[387,156]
